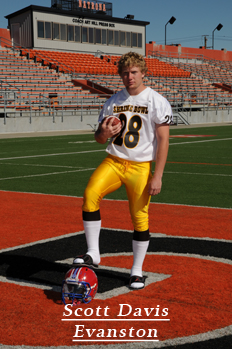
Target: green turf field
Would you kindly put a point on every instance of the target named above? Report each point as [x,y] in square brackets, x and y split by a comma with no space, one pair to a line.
[198,171]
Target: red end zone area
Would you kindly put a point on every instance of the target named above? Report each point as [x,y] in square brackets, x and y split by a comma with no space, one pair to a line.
[196,291]
[27,218]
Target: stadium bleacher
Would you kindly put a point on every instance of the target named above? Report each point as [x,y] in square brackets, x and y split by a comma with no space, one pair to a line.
[39,79]
[35,85]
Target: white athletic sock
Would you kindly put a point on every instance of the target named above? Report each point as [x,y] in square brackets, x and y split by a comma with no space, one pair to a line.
[92,232]
[139,253]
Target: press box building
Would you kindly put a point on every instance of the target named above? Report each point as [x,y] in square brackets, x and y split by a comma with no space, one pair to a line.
[77,25]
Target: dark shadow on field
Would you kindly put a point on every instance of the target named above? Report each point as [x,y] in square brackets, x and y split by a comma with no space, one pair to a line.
[39,263]
[38,271]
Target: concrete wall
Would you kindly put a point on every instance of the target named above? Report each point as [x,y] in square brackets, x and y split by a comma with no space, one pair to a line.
[89,122]
[168,50]
[48,123]
[211,116]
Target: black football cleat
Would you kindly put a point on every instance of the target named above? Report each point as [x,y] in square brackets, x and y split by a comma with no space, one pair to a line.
[84,261]
[137,282]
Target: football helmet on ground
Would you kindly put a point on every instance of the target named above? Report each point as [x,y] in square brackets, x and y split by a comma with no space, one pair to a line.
[79,286]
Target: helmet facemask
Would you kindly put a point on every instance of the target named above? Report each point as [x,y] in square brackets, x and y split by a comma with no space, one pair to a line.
[75,290]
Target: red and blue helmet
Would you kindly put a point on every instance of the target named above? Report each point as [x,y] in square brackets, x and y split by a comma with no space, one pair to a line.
[79,286]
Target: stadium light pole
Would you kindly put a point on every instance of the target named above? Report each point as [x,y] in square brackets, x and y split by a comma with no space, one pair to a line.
[171,21]
[219,27]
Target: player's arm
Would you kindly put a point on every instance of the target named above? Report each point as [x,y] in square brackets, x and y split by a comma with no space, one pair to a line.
[106,131]
[162,135]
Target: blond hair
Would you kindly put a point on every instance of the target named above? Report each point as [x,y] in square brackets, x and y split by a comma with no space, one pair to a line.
[132,59]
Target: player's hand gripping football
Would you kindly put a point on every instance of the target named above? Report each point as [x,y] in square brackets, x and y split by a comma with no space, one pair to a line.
[108,129]
[111,125]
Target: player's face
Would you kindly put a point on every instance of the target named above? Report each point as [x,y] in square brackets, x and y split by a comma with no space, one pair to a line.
[132,78]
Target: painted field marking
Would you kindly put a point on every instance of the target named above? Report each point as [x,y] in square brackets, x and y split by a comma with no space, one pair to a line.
[81,142]
[56,154]
[204,141]
[201,174]
[47,174]
[53,317]
[99,150]
[62,166]
[114,200]
[190,136]
[196,163]
[39,165]
[92,169]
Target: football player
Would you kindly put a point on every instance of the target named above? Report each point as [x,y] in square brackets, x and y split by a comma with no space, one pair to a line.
[140,138]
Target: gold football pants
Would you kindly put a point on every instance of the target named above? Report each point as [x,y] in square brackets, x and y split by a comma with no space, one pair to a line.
[110,175]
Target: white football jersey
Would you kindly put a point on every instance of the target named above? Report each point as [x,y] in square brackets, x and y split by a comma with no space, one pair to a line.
[139,114]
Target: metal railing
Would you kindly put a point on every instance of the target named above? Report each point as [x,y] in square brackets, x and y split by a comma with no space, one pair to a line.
[13,105]
[174,56]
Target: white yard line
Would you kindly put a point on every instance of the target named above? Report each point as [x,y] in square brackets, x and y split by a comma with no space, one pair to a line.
[55,154]
[203,141]
[91,169]
[38,165]
[201,174]
[46,174]
[100,150]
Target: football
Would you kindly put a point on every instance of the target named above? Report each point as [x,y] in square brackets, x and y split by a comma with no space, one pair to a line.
[115,120]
